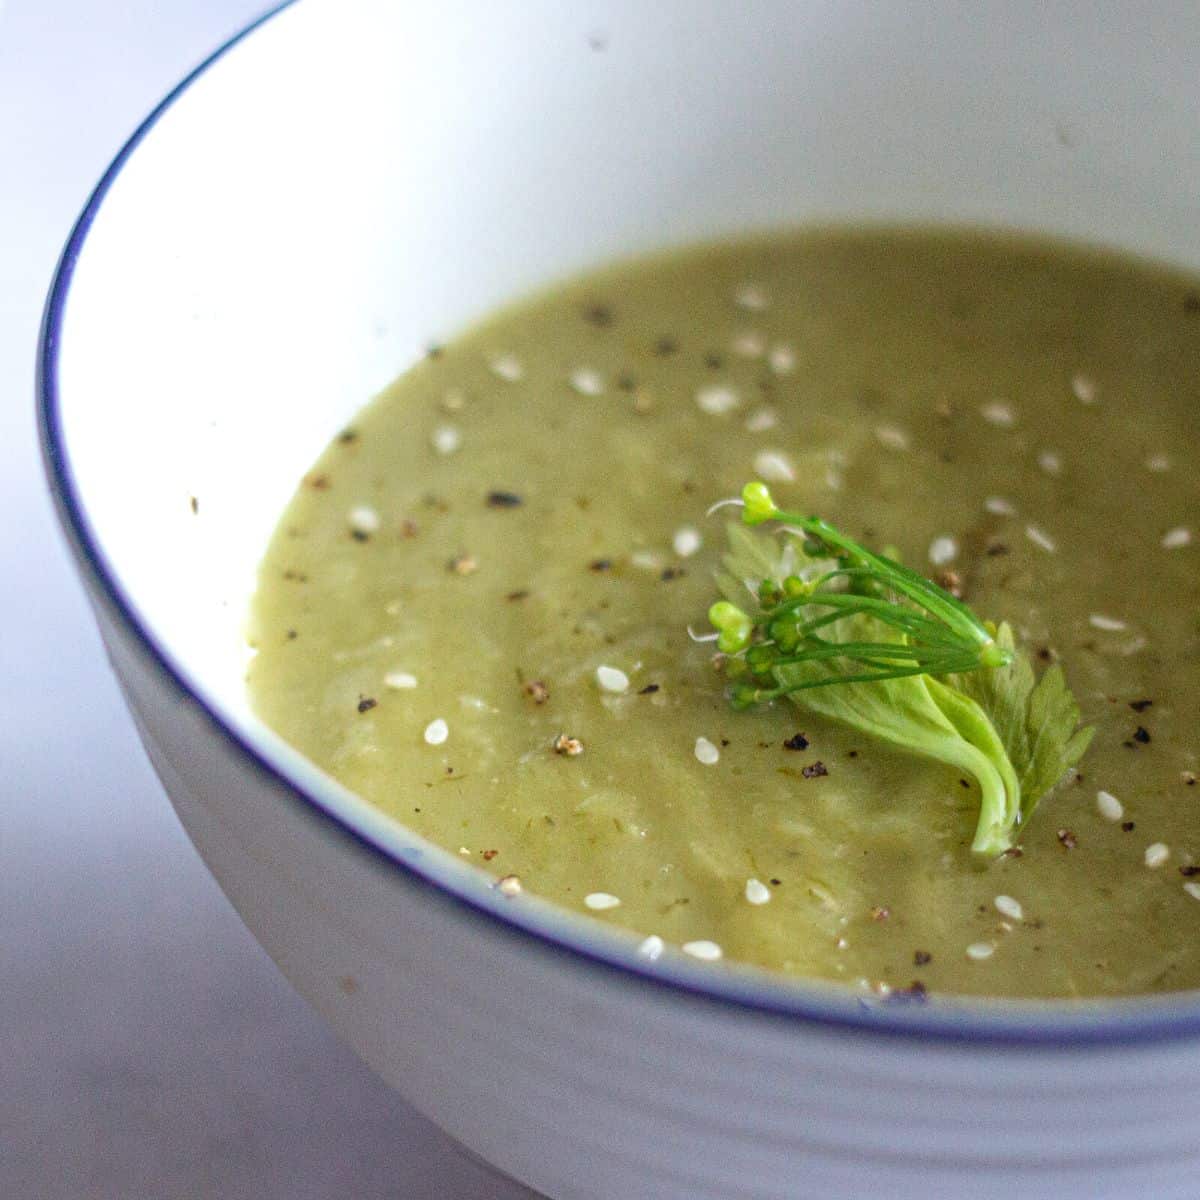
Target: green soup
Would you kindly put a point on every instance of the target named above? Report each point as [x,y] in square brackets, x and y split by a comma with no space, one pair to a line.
[475,611]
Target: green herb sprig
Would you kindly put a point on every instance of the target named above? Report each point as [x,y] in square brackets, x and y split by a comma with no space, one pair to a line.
[928,675]
[939,634]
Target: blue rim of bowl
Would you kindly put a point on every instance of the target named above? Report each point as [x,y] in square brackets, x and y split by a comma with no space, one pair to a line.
[1117,1022]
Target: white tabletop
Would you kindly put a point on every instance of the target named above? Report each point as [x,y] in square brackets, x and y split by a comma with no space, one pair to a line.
[148,1047]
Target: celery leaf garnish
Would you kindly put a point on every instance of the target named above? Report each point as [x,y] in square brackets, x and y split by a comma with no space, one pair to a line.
[858,638]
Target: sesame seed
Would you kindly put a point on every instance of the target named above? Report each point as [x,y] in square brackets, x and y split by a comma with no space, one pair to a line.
[761,419]
[1192,889]
[782,359]
[706,951]
[891,437]
[1107,624]
[943,550]
[1040,538]
[706,752]
[507,367]
[1174,538]
[686,541]
[757,892]
[1050,462]
[509,886]
[445,439]
[612,679]
[646,560]
[1084,388]
[751,297]
[1158,463]
[599,901]
[749,345]
[1109,807]
[652,948]
[587,382]
[1008,907]
[400,680]
[364,519]
[978,951]
[999,414]
[773,466]
[436,732]
[998,506]
[1157,854]
[717,399]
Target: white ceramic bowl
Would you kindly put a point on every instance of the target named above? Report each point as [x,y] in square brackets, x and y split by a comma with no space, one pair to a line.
[347,182]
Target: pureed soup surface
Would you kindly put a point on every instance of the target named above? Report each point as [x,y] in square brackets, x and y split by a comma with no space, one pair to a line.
[525,509]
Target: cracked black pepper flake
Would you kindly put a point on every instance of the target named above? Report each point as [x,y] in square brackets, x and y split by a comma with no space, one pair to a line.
[1140,706]
[347,436]
[568,747]
[996,549]
[504,500]
[360,535]
[670,573]
[922,958]
[950,581]
[600,315]
[600,564]
[648,690]
[1188,871]
[520,594]
[796,742]
[815,770]
[915,993]
[1128,826]
[1142,734]
[366,703]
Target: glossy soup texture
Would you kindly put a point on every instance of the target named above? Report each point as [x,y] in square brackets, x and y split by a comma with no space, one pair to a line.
[516,529]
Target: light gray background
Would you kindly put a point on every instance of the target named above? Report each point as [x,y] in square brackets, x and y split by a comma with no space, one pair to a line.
[148,1047]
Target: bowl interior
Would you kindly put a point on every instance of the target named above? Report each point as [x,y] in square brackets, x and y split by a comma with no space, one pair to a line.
[350,183]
